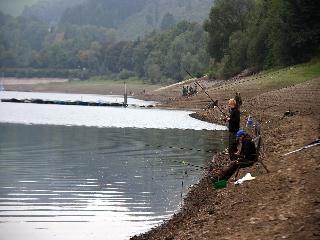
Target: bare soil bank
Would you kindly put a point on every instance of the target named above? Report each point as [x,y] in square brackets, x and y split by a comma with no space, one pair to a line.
[283,204]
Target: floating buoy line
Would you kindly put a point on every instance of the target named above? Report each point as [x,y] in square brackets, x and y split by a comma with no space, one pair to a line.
[181,148]
[79,103]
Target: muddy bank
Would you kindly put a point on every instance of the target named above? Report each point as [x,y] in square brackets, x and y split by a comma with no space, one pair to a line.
[282,204]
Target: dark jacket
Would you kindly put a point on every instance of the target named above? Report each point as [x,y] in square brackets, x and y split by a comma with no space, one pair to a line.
[248,149]
[234,122]
[238,100]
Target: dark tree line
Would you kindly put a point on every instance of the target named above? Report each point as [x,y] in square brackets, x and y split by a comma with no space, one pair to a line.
[259,34]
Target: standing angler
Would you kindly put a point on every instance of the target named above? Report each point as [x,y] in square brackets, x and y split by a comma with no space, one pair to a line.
[238,100]
[234,125]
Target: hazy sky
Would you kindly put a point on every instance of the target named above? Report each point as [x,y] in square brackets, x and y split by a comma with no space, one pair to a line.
[14,7]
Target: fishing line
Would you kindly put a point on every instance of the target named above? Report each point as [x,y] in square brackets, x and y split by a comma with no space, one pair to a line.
[180,148]
[313,144]
[215,103]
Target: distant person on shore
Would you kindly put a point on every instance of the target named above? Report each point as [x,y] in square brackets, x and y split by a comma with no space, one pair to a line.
[233,125]
[190,91]
[195,89]
[238,100]
[184,91]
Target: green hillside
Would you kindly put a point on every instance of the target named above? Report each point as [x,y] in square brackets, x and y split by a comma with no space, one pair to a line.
[49,11]
[154,13]
[15,7]
[128,18]
[288,76]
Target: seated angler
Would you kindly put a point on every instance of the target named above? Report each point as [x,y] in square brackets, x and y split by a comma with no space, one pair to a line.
[247,155]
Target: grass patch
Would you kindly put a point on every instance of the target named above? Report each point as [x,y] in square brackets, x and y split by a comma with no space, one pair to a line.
[102,85]
[288,76]
[131,83]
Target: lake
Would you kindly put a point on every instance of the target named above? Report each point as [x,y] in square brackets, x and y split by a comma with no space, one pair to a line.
[76,172]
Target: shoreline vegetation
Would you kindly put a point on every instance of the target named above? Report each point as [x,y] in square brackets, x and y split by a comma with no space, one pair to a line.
[91,86]
[282,204]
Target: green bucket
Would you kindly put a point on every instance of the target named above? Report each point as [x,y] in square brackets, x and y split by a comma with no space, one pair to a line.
[220,184]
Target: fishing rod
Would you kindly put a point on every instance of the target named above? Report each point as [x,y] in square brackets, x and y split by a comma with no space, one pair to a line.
[313,144]
[215,103]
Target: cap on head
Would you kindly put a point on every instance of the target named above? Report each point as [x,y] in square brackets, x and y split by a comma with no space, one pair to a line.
[240,133]
[232,103]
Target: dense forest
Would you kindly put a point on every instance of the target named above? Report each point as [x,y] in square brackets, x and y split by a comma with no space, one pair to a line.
[49,11]
[90,50]
[128,18]
[15,7]
[236,35]
[262,34]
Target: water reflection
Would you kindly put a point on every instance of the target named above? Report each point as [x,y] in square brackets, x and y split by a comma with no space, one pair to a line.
[90,183]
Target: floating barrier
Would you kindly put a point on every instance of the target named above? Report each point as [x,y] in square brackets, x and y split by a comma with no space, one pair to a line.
[78,103]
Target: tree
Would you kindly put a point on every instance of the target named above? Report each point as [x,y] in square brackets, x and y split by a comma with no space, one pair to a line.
[167,22]
[226,17]
[295,33]
[258,32]
[238,45]
[153,73]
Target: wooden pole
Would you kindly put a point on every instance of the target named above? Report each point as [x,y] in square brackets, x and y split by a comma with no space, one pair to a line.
[125,100]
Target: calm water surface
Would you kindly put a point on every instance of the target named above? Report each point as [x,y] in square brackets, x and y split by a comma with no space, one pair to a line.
[105,182]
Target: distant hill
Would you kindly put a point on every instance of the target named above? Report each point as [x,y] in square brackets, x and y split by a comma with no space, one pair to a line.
[155,15]
[14,7]
[49,11]
[104,13]
[130,18]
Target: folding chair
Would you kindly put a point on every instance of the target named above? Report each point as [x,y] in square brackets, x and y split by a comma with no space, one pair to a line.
[259,151]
